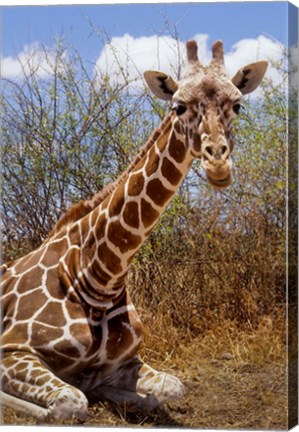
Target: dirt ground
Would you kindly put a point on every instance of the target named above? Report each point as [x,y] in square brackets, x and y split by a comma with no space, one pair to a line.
[222,393]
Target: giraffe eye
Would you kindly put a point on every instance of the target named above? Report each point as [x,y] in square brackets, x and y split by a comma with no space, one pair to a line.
[179,109]
[237,108]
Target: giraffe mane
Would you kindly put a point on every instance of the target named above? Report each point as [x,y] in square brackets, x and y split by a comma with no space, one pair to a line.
[83,207]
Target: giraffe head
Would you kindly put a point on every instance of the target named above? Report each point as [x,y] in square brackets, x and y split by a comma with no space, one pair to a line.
[206,101]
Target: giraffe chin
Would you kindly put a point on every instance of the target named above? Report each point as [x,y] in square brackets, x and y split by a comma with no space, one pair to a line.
[220,184]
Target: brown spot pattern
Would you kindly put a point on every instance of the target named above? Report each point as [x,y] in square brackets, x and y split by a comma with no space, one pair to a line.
[75,310]
[42,380]
[98,274]
[21,366]
[58,362]
[122,238]
[162,142]
[28,261]
[42,336]
[177,149]
[53,285]
[136,184]
[117,201]
[170,172]
[148,213]
[27,307]
[101,226]
[30,280]
[111,261]
[52,314]
[94,216]
[158,193]
[197,143]
[153,162]
[89,248]
[163,138]
[120,280]
[130,214]
[177,127]
[67,348]
[74,233]
[18,334]
[54,252]
[119,338]
[82,334]
[73,263]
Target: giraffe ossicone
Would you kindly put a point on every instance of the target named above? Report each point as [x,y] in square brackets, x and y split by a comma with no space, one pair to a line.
[69,329]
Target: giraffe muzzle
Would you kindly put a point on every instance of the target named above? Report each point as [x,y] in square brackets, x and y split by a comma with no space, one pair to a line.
[218,170]
[221,184]
[217,163]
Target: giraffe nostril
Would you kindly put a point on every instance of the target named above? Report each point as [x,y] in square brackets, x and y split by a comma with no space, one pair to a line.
[209,150]
[225,152]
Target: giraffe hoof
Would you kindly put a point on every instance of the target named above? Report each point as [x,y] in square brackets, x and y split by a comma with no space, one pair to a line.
[162,388]
[69,404]
[169,389]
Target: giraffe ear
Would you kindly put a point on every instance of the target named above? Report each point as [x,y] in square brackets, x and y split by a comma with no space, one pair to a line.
[161,84]
[248,78]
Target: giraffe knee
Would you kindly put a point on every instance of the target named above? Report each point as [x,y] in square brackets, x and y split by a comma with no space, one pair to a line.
[68,403]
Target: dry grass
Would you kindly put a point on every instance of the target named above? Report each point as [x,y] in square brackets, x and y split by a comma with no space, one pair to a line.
[235,379]
[213,312]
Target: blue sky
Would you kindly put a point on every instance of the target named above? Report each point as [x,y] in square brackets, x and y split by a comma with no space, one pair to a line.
[250,31]
[228,21]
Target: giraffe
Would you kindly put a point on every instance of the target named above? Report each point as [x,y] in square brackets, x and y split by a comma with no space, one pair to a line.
[70,330]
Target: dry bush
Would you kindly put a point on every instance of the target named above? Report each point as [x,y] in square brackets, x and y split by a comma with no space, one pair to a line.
[214,277]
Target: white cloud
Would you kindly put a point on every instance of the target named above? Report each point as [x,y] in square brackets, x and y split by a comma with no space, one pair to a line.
[135,55]
[129,56]
[250,50]
[33,58]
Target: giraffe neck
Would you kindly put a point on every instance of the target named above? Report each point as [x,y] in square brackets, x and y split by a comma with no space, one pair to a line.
[114,231]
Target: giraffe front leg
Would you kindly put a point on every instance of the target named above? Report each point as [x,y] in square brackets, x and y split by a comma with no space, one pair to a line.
[30,388]
[136,382]
[158,387]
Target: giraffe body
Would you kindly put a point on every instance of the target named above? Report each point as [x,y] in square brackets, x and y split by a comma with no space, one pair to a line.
[69,326]
[82,346]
